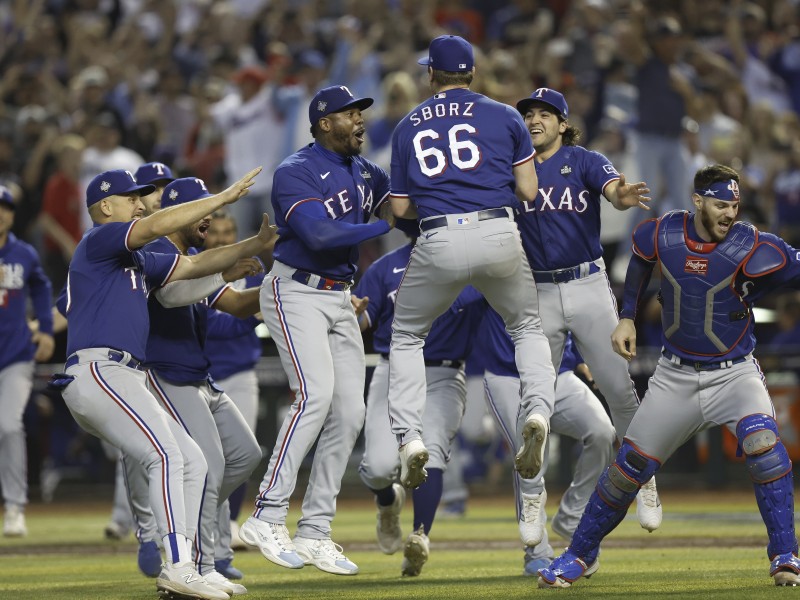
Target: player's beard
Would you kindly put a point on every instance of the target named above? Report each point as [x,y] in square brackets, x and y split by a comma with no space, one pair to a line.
[348,142]
[711,226]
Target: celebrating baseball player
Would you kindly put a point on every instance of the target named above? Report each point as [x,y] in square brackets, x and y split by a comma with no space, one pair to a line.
[103,384]
[449,343]
[461,163]
[578,414]
[323,196]
[561,235]
[713,270]
[158,175]
[21,278]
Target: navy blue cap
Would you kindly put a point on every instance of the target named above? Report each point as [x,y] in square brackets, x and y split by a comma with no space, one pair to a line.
[334,99]
[152,172]
[547,96]
[7,198]
[183,190]
[114,183]
[449,53]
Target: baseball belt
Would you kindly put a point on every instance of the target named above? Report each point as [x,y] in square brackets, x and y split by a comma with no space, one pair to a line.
[703,366]
[483,215]
[115,355]
[565,275]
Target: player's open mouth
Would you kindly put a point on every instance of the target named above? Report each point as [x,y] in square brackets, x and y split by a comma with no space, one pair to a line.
[203,230]
[724,226]
[359,135]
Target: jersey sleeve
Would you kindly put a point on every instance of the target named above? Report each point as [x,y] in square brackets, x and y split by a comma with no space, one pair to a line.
[523,147]
[156,267]
[291,187]
[382,187]
[598,171]
[399,167]
[108,240]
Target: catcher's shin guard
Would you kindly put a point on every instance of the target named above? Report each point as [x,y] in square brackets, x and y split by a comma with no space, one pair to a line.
[607,506]
[770,469]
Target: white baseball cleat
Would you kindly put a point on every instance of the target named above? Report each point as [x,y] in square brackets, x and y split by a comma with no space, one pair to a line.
[390,535]
[413,457]
[530,458]
[217,580]
[182,580]
[325,555]
[648,506]
[532,518]
[273,541]
[236,542]
[415,554]
[14,522]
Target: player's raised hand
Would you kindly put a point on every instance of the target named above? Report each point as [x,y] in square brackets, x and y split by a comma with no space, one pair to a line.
[632,194]
[623,339]
[268,234]
[239,189]
[242,268]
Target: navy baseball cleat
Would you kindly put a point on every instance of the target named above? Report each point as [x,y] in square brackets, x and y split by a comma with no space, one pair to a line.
[785,570]
[149,559]
[565,570]
[225,568]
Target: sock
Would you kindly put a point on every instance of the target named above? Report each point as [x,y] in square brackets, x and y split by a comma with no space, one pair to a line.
[426,500]
[385,497]
[176,547]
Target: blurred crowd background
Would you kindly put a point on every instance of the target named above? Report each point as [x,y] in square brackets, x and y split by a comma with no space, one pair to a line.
[213,88]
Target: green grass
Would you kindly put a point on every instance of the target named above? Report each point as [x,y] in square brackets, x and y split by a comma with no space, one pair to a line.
[709,546]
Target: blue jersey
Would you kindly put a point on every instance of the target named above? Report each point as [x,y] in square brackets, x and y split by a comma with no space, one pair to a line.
[107,290]
[452,333]
[349,188]
[21,276]
[232,345]
[176,346]
[499,349]
[560,228]
[455,153]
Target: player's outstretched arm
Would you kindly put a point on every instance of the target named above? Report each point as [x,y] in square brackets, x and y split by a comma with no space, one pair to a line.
[169,220]
[623,195]
[527,181]
[402,207]
[623,339]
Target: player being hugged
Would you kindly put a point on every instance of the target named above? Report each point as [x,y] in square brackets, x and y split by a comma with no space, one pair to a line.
[461,164]
[713,270]
[324,195]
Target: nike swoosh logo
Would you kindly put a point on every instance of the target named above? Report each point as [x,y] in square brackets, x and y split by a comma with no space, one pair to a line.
[400,270]
[324,175]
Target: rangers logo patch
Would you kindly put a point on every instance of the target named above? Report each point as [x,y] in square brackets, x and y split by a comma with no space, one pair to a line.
[463,221]
[322,105]
[696,265]
[610,169]
[173,194]
[366,175]
[566,170]
[105,186]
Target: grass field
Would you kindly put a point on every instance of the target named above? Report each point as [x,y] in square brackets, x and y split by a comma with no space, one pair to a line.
[709,546]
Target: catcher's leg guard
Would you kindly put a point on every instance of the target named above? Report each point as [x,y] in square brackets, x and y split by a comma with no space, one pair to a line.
[607,506]
[771,471]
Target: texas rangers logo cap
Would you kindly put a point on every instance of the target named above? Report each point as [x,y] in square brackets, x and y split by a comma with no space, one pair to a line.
[449,53]
[545,96]
[7,198]
[153,172]
[333,99]
[115,183]
[183,190]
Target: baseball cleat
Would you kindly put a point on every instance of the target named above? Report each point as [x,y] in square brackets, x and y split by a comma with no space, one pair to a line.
[413,457]
[785,570]
[14,522]
[390,535]
[532,565]
[273,541]
[415,553]
[532,518]
[648,506]
[236,542]
[217,580]
[182,581]
[530,458]
[325,555]
[224,567]
[565,570]
[149,559]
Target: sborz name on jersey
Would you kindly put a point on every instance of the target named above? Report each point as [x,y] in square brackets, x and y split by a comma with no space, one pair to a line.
[451,109]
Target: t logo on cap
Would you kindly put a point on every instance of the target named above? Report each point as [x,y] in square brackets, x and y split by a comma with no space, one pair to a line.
[333,99]
[545,96]
[449,53]
[183,190]
[114,183]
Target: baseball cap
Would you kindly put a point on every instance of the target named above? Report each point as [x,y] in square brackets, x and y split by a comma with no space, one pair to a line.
[449,53]
[546,96]
[114,183]
[7,198]
[183,190]
[333,99]
[152,172]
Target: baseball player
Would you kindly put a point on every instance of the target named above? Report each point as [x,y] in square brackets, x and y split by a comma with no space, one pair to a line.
[460,165]
[103,384]
[178,375]
[21,278]
[578,414]
[158,175]
[323,196]
[713,270]
[449,343]
[233,349]
[561,234]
